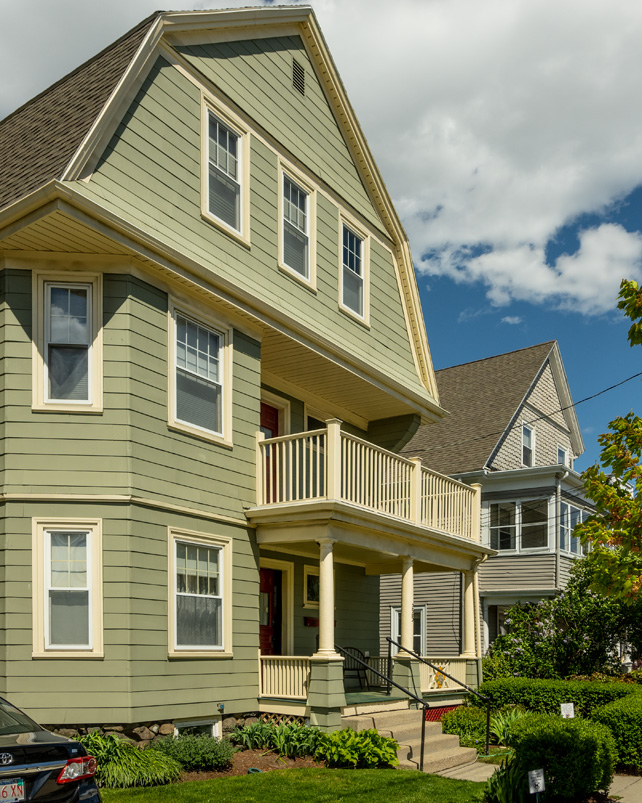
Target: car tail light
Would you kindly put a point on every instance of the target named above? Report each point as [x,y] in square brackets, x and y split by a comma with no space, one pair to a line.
[77,768]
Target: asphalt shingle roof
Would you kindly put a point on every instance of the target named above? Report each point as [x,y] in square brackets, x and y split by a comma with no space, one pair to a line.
[38,140]
[481,397]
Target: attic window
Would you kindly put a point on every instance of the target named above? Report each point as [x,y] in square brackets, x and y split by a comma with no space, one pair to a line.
[298,76]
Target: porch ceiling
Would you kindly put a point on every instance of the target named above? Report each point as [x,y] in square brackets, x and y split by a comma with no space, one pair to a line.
[362,537]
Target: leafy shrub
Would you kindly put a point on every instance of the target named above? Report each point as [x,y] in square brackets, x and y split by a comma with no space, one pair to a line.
[469,724]
[496,665]
[348,748]
[509,784]
[501,723]
[121,764]
[578,756]
[287,740]
[546,696]
[624,719]
[196,752]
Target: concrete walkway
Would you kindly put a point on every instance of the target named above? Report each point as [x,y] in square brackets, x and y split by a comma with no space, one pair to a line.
[627,788]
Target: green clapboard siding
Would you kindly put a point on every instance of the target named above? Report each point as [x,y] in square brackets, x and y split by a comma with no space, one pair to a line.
[150,175]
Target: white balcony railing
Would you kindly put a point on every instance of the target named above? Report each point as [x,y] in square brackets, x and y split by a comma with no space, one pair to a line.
[432,680]
[284,676]
[331,464]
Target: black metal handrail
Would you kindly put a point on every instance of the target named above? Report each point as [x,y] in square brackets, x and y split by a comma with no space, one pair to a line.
[390,682]
[483,697]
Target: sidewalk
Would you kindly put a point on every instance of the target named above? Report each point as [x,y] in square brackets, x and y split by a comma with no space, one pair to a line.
[628,788]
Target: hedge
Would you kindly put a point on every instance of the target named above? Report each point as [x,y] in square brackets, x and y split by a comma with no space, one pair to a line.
[578,756]
[624,719]
[546,696]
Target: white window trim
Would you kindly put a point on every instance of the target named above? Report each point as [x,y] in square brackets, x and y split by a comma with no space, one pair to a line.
[395,619]
[40,528]
[223,438]
[207,540]
[215,724]
[310,282]
[40,402]
[210,105]
[531,429]
[550,506]
[560,448]
[307,572]
[567,550]
[351,223]
[286,568]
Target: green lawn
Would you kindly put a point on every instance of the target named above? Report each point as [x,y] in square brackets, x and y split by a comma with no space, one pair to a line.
[310,786]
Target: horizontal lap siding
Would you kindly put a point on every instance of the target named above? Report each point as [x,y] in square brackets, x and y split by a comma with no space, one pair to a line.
[150,174]
[135,681]
[518,572]
[441,595]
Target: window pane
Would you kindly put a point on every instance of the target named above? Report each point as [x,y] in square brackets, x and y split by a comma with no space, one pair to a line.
[534,536]
[68,315]
[535,511]
[225,198]
[69,618]
[352,291]
[198,402]
[68,369]
[502,525]
[198,621]
[295,249]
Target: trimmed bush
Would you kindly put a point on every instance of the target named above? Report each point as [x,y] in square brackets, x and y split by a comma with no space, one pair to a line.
[121,764]
[469,724]
[196,752]
[624,719]
[363,749]
[546,696]
[578,756]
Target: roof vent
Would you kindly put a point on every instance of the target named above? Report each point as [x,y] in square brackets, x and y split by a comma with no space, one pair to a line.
[298,76]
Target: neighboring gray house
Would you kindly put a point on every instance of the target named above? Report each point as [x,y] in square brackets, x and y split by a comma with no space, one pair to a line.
[513,429]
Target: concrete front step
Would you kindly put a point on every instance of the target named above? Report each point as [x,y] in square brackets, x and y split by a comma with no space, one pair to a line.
[367,709]
[441,751]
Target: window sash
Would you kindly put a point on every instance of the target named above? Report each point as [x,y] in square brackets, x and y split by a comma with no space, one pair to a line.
[296,240]
[519,526]
[527,446]
[418,627]
[68,328]
[198,613]
[199,369]
[224,173]
[68,606]
[352,271]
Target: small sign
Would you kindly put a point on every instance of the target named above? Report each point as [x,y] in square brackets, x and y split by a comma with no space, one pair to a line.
[536,781]
[568,710]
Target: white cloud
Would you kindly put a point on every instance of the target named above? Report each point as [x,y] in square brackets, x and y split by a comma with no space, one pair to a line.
[493,123]
[512,320]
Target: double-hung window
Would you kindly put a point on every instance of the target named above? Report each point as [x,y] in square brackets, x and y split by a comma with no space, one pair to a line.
[224,176]
[200,386]
[418,627]
[562,456]
[570,517]
[528,446]
[519,525]
[67,581]
[67,371]
[352,271]
[200,594]
[296,239]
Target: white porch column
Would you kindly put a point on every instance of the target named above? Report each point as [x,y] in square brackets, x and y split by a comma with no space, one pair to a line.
[407,603]
[469,615]
[326,599]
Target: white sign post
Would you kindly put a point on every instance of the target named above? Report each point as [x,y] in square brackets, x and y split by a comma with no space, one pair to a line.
[536,782]
[568,710]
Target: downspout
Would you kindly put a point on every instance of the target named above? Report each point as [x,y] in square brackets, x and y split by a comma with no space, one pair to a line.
[558,525]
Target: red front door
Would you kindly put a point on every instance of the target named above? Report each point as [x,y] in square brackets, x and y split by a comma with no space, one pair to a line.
[270,612]
[270,428]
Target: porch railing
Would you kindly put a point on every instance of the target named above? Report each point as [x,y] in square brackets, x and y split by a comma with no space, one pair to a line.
[284,676]
[442,674]
[332,464]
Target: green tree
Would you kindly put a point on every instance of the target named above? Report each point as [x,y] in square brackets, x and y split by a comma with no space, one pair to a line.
[615,487]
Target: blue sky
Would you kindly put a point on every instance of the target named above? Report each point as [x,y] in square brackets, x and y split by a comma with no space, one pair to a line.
[509,134]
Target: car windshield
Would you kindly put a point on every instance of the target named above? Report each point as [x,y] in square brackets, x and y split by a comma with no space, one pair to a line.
[12,720]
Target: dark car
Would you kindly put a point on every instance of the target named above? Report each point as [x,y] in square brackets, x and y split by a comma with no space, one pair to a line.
[41,766]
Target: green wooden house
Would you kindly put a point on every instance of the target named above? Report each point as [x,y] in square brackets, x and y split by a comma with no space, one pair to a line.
[212,353]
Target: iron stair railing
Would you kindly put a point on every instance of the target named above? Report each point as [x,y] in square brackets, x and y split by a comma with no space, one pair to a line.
[445,674]
[389,683]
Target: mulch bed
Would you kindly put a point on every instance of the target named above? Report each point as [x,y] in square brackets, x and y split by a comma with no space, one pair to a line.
[260,759]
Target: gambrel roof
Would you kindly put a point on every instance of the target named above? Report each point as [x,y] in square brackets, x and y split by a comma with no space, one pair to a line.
[483,398]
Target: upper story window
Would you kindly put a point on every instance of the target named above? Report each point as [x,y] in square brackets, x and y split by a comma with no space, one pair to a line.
[297,204]
[528,446]
[570,517]
[67,581]
[562,456]
[519,525]
[225,172]
[200,388]
[67,364]
[352,271]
